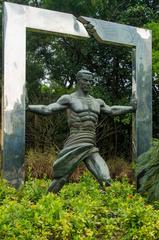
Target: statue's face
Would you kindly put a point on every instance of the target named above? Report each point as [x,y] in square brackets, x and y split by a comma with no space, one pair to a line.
[85,83]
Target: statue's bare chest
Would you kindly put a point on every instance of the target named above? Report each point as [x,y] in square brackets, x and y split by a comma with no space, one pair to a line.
[82,104]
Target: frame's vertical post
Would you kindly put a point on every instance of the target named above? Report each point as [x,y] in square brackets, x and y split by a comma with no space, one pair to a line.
[13,115]
[134,94]
[144,91]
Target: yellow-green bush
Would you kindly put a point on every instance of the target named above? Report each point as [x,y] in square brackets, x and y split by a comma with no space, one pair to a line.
[79,211]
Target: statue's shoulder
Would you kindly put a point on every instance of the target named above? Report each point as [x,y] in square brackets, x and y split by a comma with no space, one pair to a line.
[73,95]
[93,98]
[100,101]
[65,99]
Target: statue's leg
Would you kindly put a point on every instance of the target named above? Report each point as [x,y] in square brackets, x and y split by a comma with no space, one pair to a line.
[57,184]
[98,167]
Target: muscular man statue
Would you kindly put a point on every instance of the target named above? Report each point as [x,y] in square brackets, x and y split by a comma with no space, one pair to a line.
[82,112]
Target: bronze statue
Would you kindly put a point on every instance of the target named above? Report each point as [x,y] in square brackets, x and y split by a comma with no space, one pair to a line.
[82,112]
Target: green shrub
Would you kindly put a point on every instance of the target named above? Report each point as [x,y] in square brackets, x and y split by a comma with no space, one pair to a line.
[80,211]
[148,172]
[6,191]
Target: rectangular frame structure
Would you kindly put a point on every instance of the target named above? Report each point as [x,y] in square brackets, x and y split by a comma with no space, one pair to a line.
[17,18]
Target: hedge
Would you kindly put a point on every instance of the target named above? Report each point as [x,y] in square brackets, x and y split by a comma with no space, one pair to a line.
[80,211]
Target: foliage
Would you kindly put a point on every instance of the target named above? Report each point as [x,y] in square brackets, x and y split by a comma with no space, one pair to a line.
[80,211]
[120,168]
[38,164]
[139,14]
[148,172]
[154,26]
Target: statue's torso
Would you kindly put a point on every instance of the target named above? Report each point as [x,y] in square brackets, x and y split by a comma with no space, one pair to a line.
[83,113]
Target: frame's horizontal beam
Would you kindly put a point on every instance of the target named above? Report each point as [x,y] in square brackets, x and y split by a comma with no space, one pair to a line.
[116,33]
[44,20]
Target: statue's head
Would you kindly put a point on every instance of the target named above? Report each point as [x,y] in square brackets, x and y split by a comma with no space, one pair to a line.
[84,79]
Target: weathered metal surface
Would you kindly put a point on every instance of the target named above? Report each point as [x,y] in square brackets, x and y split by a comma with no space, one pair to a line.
[140,39]
[17,18]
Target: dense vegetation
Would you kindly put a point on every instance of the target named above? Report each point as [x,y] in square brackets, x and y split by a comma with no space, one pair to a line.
[80,211]
[148,169]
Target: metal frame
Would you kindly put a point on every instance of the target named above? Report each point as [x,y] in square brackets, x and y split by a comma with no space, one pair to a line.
[17,18]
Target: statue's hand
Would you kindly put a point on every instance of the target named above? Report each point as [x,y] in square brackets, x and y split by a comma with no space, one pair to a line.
[133,102]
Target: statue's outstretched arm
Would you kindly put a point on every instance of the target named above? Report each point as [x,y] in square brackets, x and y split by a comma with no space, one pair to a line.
[61,104]
[118,110]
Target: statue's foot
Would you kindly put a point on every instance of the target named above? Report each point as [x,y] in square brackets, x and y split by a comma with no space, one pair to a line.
[53,187]
[108,183]
[104,184]
[56,185]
